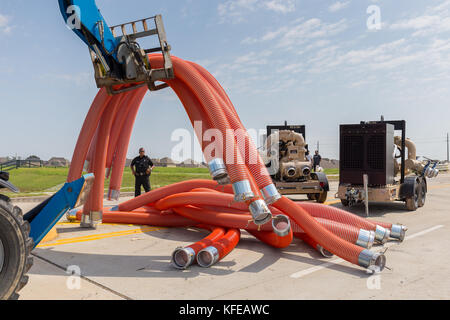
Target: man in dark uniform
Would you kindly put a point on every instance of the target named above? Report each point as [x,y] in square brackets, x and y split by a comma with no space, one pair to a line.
[316,161]
[142,172]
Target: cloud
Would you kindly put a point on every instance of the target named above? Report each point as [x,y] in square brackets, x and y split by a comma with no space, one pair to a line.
[301,32]
[338,6]
[282,6]
[236,9]
[5,26]
[434,21]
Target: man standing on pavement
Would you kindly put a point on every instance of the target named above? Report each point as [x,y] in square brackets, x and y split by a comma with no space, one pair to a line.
[316,161]
[142,172]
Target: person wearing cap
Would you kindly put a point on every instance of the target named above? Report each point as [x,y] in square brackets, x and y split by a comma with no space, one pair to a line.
[142,167]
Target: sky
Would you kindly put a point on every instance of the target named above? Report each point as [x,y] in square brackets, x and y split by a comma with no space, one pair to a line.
[309,62]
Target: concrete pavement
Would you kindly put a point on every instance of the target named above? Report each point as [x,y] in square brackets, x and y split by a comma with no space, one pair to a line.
[132,262]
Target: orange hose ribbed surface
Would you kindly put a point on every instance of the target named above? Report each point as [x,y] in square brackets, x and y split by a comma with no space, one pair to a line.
[104,141]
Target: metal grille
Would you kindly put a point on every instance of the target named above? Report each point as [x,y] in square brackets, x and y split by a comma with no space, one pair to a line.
[376,151]
[352,157]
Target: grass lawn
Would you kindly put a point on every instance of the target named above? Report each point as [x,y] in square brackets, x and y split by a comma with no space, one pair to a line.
[39,181]
[42,181]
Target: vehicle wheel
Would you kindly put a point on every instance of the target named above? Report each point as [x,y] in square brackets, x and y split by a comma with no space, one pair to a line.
[345,202]
[423,194]
[322,197]
[15,248]
[311,196]
[412,203]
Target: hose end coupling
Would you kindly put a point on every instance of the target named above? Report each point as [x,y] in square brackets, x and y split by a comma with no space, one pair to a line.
[398,232]
[182,258]
[270,194]
[91,220]
[365,238]
[113,194]
[260,212]
[281,225]
[372,260]
[381,234]
[242,191]
[208,257]
[218,171]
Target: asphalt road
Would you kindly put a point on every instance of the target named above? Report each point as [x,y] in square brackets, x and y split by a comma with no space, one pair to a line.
[132,262]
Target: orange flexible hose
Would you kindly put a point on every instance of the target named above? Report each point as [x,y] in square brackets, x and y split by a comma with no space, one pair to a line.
[194,202]
[123,142]
[272,239]
[224,246]
[86,134]
[322,236]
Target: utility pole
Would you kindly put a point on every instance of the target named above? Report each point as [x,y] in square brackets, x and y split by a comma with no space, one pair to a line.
[318,146]
[448,148]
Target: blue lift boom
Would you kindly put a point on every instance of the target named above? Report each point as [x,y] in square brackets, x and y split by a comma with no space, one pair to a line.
[115,53]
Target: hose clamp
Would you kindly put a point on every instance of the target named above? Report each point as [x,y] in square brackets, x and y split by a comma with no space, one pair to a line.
[242,191]
[365,239]
[270,194]
[398,232]
[113,194]
[381,234]
[260,212]
[217,169]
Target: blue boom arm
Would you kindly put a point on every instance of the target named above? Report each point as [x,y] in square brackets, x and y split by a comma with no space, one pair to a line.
[44,217]
[85,19]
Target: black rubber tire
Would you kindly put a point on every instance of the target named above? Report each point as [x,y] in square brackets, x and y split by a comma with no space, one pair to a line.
[345,202]
[17,247]
[311,196]
[423,194]
[412,203]
[322,197]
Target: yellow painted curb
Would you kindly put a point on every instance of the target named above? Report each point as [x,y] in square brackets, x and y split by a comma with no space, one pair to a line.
[52,235]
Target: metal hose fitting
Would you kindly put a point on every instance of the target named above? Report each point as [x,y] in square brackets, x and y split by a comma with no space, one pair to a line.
[382,235]
[218,170]
[182,258]
[398,232]
[365,239]
[324,252]
[369,259]
[260,212]
[91,220]
[270,194]
[242,191]
[114,194]
[281,225]
[208,257]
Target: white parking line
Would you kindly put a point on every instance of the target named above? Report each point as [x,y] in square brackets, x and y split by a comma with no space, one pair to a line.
[308,271]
